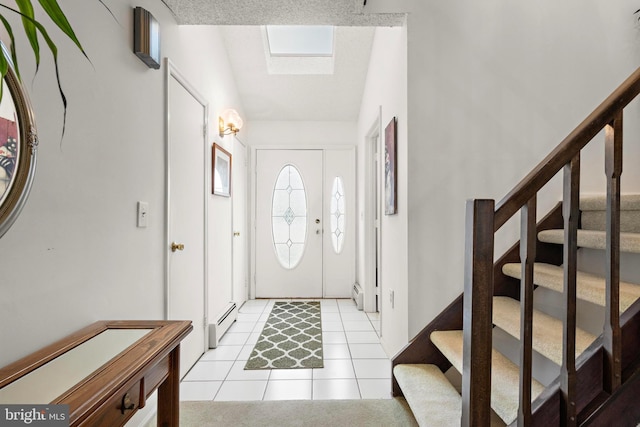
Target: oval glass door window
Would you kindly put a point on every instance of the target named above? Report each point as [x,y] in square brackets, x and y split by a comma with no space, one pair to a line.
[337,214]
[289,217]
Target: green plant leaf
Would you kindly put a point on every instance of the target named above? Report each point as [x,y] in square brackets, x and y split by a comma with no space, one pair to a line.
[28,19]
[4,68]
[58,17]
[14,56]
[54,51]
[32,27]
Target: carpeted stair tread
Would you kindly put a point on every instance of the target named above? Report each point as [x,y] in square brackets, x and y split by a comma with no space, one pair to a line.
[504,375]
[590,287]
[431,397]
[593,212]
[597,220]
[598,202]
[547,330]
[594,239]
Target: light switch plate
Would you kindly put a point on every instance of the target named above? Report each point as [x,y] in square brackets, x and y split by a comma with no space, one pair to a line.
[143,214]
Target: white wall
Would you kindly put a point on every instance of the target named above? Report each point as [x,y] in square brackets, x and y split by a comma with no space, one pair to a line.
[386,86]
[493,87]
[74,256]
[301,133]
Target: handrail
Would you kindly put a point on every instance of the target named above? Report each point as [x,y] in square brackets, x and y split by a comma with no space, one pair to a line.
[567,149]
[484,218]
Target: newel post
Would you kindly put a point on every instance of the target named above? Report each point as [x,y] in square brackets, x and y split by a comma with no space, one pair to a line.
[478,309]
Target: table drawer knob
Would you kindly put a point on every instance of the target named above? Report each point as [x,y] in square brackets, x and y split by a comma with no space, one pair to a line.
[127,404]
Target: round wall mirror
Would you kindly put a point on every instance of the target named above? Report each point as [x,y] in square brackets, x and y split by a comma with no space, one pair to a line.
[18,146]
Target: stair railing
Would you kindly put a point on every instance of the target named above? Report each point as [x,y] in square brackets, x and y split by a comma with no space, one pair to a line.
[484,218]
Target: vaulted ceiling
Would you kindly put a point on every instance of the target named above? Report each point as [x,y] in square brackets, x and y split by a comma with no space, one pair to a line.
[268,96]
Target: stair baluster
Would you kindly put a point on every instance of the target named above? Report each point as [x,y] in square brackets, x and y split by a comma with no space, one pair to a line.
[478,306]
[528,241]
[612,334]
[571,214]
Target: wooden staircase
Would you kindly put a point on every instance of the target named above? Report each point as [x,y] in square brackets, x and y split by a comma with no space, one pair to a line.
[596,379]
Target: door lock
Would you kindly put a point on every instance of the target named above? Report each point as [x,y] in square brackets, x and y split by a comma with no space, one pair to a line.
[317,220]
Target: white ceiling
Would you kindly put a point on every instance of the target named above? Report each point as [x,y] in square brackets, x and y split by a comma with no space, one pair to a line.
[302,97]
[299,97]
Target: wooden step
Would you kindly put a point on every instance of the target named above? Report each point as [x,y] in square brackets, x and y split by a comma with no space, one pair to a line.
[589,287]
[431,397]
[594,239]
[504,375]
[547,330]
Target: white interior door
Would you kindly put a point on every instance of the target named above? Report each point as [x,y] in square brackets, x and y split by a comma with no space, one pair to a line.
[239,200]
[289,223]
[186,215]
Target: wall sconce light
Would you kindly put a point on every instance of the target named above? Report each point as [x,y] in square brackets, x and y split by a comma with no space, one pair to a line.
[146,37]
[229,122]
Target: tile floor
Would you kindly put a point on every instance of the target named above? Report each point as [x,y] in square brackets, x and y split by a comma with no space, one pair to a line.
[355,364]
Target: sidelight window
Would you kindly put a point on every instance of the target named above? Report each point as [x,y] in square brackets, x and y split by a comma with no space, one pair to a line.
[337,214]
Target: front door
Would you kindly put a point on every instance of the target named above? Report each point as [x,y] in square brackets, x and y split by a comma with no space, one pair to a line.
[289,223]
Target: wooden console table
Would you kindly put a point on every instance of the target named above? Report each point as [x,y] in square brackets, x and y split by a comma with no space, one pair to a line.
[104,372]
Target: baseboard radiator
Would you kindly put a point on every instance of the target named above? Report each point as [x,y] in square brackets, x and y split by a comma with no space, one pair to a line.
[358,294]
[224,321]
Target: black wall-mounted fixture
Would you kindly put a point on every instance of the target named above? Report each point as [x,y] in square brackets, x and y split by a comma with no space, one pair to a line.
[146,37]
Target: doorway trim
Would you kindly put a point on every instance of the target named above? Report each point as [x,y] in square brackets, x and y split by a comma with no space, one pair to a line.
[371,196]
[173,72]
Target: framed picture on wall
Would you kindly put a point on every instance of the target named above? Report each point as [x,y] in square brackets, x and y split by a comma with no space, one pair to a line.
[390,169]
[221,171]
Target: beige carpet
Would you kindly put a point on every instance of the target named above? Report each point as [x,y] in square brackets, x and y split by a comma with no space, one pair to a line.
[290,413]
[433,399]
[504,375]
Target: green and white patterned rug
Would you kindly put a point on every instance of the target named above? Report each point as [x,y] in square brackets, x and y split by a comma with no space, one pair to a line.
[291,338]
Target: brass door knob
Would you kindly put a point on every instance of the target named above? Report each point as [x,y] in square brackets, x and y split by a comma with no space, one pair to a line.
[176,247]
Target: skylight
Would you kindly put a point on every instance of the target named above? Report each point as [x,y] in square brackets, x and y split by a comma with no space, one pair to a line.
[300,40]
